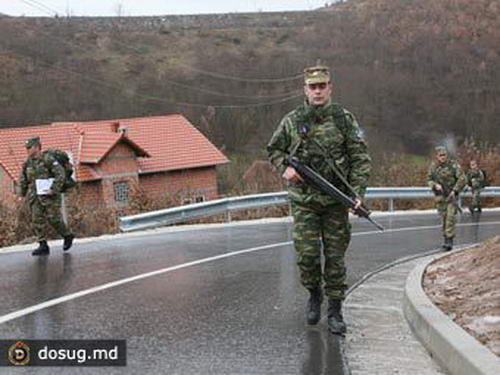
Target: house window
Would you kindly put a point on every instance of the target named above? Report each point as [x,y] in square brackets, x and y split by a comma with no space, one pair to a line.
[199,199]
[1,174]
[121,191]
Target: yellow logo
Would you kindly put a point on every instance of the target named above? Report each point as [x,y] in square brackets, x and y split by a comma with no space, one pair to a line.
[19,354]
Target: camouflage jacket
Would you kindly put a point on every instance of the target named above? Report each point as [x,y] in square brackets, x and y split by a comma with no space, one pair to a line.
[475,178]
[333,136]
[449,175]
[42,167]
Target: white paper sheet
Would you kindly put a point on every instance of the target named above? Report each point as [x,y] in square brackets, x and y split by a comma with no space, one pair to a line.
[43,185]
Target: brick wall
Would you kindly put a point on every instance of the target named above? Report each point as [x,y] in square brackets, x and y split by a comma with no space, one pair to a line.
[90,193]
[186,184]
[119,166]
[120,160]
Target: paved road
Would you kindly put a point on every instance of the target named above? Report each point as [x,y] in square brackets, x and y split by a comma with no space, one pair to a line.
[238,310]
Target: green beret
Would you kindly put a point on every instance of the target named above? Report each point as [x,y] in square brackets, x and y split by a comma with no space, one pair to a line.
[33,142]
[316,74]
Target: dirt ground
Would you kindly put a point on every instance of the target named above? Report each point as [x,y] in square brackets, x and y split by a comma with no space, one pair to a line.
[466,286]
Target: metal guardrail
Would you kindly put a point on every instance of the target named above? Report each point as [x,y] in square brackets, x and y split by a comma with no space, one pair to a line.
[225,206]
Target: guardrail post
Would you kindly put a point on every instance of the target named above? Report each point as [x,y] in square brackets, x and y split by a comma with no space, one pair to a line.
[228,216]
[391,204]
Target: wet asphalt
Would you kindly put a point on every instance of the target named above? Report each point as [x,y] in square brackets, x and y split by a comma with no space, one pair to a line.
[241,314]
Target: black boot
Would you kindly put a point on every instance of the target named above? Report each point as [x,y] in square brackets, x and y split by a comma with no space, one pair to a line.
[42,249]
[68,241]
[448,243]
[313,309]
[445,243]
[335,319]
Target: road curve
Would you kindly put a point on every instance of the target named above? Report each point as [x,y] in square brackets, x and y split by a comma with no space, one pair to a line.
[220,301]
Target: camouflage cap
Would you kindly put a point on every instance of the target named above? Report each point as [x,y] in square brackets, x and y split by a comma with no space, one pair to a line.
[32,142]
[316,74]
[441,150]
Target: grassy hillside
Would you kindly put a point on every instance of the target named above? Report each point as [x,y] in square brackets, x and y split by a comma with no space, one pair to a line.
[413,71]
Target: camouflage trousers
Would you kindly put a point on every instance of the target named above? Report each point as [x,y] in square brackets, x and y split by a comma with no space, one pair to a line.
[448,212]
[476,198]
[47,210]
[324,228]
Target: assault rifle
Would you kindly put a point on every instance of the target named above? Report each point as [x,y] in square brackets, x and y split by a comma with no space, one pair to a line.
[446,193]
[313,178]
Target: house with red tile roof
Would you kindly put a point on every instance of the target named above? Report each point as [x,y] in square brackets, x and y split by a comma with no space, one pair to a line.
[160,155]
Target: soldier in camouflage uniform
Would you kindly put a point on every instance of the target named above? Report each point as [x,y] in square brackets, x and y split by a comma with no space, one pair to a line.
[44,207]
[446,179]
[476,182]
[324,136]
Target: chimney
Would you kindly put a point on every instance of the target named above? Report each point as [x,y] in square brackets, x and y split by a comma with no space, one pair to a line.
[115,127]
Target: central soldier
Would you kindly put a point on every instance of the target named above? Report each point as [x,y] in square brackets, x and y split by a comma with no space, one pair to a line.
[326,137]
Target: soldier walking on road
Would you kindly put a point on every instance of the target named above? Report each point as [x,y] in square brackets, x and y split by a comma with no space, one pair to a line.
[326,137]
[45,206]
[446,179]
[476,180]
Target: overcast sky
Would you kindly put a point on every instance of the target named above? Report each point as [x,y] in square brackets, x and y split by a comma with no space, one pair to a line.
[149,7]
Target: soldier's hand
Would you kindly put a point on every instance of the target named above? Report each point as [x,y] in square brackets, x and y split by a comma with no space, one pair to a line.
[438,187]
[50,192]
[357,204]
[291,175]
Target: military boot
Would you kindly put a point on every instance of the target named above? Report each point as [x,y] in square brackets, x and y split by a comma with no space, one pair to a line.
[448,243]
[445,243]
[42,249]
[335,319]
[68,241]
[313,309]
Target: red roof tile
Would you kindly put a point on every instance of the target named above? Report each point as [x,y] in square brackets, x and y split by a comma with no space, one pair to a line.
[96,145]
[172,143]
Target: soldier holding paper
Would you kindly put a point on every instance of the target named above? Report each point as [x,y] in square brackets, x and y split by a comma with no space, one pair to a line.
[42,180]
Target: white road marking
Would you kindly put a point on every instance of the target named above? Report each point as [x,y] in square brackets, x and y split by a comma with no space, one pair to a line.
[69,297]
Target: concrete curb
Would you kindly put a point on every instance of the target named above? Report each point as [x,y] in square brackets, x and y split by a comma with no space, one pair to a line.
[450,345]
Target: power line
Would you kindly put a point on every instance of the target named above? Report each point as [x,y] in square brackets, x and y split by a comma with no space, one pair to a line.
[40,6]
[241,79]
[190,87]
[283,97]
[155,98]
[200,71]
[232,95]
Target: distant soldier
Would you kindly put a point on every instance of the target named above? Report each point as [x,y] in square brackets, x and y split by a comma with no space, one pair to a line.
[45,202]
[476,180]
[326,137]
[446,179]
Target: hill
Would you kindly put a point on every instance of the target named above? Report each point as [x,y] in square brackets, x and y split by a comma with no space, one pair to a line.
[413,71]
